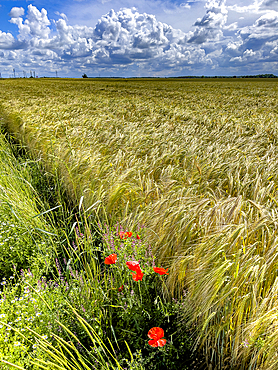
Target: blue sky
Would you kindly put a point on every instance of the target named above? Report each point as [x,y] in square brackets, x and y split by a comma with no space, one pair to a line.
[138,38]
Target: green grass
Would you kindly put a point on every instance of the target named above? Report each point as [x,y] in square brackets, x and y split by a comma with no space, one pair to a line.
[60,306]
[196,162]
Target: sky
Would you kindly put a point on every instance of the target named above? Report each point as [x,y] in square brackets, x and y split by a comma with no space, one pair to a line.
[129,38]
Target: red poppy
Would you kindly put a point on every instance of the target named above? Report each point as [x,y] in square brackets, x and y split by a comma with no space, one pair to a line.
[133,266]
[124,234]
[161,271]
[156,335]
[137,276]
[137,236]
[121,288]
[110,260]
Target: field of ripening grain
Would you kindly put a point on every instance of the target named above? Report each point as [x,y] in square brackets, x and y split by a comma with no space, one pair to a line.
[196,162]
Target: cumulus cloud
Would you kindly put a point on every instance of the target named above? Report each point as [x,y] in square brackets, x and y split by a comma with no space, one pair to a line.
[255,7]
[35,25]
[62,15]
[270,4]
[129,39]
[210,26]
[6,40]
[264,29]
[16,12]
[119,38]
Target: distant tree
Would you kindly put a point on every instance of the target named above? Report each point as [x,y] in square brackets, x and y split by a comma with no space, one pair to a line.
[84,75]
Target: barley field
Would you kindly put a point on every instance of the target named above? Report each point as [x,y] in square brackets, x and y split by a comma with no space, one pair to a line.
[196,162]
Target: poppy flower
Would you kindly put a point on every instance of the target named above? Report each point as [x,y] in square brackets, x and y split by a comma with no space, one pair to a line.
[133,266]
[121,288]
[110,260]
[156,334]
[161,271]
[124,234]
[137,276]
[137,236]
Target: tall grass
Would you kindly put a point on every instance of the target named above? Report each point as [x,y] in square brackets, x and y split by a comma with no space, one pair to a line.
[24,233]
[60,307]
[197,163]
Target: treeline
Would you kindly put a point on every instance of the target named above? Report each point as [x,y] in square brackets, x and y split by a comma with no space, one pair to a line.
[266,75]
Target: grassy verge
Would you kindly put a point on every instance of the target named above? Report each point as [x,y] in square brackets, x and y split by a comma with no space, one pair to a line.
[61,306]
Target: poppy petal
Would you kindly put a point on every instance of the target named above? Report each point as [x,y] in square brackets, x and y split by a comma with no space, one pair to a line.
[153,343]
[161,342]
[133,266]
[129,234]
[110,260]
[156,333]
[122,234]
[161,270]
[137,276]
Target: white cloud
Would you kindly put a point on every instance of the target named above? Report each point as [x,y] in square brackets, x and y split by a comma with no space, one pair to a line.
[6,40]
[185,6]
[267,20]
[62,15]
[36,24]
[16,12]
[130,40]
[270,3]
[263,29]
[255,7]
[231,27]
[210,26]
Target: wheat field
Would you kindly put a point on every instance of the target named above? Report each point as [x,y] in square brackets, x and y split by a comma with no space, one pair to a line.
[196,162]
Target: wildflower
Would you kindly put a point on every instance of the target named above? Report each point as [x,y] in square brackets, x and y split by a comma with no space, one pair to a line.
[137,236]
[16,344]
[121,288]
[156,334]
[138,276]
[110,260]
[133,266]
[245,343]
[2,315]
[125,234]
[160,270]
[122,234]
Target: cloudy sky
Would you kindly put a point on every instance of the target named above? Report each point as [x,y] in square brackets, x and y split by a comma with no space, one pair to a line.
[138,38]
